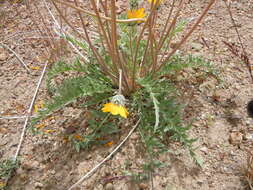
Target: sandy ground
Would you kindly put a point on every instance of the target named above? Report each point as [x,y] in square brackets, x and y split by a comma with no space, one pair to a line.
[221,124]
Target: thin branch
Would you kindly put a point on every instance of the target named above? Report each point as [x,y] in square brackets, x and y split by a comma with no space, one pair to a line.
[103,17]
[166,24]
[163,38]
[187,35]
[244,56]
[93,170]
[14,117]
[62,33]
[27,119]
[16,55]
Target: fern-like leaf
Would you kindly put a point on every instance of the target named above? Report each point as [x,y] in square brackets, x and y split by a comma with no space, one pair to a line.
[72,89]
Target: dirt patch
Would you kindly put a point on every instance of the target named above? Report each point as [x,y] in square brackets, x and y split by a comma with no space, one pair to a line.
[47,162]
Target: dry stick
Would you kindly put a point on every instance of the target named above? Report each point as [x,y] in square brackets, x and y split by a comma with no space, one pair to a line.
[62,33]
[154,50]
[114,31]
[187,35]
[103,17]
[87,175]
[65,19]
[167,22]
[14,117]
[111,48]
[168,42]
[168,32]
[105,8]
[27,119]
[30,111]
[9,37]
[16,55]
[240,40]
[115,45]
[45,26]
[103,33]
[98,57]
[28,6]
[139,38]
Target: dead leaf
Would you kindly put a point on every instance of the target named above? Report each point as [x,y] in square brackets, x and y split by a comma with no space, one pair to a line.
[35,67]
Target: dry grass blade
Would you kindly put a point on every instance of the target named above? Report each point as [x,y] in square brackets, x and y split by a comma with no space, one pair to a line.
[243,56]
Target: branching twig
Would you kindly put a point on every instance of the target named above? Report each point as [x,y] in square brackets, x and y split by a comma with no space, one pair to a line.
[91,172]
[103,17]
[61,33]
[16,55]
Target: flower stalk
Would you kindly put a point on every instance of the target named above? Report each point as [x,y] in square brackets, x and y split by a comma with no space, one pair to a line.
[146,53]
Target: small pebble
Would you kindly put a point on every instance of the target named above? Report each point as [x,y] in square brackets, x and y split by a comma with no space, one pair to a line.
[248,136]
[204,149]
[235,138]
[143,186]
[38,185]
[109,186]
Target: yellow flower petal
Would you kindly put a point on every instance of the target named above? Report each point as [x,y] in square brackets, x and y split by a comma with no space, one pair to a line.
[40,125]
[49,131]
[136,13]
[115,109]
[110,143]
[78,137]
[123,111]
[35,67]
[2,184]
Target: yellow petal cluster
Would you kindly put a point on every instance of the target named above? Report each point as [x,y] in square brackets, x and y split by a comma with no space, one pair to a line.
[136,13]
[155,1]
[115,109]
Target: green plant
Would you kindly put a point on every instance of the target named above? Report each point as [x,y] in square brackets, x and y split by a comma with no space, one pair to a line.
[6,167]
[126,63]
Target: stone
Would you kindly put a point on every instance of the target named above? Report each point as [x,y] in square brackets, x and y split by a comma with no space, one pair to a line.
[248,136]
[204,149]
[38,185]
[196,46]
[235,138]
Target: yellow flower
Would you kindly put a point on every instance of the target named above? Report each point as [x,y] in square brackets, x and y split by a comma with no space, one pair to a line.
[154,1]
[115,109]
[2,184]
[49,131]
[110,143]
[136,13]
[78,137]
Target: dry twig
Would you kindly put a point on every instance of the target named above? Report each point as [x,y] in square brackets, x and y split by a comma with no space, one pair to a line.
[243,56]
[93,170]
[27,119]
[16,55]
